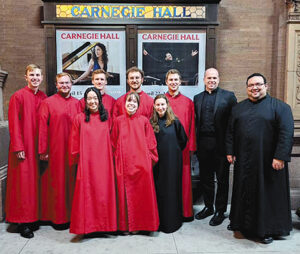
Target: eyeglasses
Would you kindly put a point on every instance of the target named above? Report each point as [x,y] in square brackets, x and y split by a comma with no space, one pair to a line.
[256,84]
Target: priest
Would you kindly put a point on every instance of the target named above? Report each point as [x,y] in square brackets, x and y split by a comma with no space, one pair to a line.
[259,142]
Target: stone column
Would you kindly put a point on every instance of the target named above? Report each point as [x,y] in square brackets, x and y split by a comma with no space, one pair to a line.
[292,93]
[4,143]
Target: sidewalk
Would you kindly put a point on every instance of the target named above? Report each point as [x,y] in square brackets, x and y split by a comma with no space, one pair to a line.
[192,238]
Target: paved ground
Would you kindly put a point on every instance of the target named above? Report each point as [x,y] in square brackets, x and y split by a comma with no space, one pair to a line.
[192,238]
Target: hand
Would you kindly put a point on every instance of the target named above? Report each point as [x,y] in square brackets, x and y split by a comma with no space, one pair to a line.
[44,157]
[277,164]
[231,159]
[192,153]
[194,52]
[145,52]
[21,155]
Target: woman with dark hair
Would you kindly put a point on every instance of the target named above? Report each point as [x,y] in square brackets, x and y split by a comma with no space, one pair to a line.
[94,202]
[98,61]
[135,152]
[171,140]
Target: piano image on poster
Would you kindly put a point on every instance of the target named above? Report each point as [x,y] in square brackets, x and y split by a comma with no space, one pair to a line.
[87,54]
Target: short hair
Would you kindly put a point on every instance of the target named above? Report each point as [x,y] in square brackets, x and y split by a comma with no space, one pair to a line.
[62,74]
[133,94]
[134,69]
[256,75]
[99,71]
[173,71]
[31,67]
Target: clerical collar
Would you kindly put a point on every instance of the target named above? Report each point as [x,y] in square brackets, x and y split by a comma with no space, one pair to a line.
[213,91]
[259,100]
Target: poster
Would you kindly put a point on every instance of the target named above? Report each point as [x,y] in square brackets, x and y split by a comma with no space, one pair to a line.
[160,51]
[80,52]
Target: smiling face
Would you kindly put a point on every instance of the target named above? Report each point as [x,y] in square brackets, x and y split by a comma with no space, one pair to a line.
[211,79]
[135,81]
[99,81]
[34,78]
[160,106]
[64,85]
[92,102]
[173,82]
[131,104]
[256,88]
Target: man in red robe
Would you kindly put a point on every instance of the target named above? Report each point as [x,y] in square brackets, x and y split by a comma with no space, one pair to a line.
[55,122]
[135,79]
[99,80]
[22,204]
[183,108]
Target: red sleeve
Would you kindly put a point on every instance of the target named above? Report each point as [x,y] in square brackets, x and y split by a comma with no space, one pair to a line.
[151,141]
[43,128]
[192,133]
[114,135]
[15,124]
[81,105]
[74,141]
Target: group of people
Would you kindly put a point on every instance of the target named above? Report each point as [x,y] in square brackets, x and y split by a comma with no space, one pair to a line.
[124,165]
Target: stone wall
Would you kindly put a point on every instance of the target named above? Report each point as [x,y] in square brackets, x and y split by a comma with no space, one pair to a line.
[4,141]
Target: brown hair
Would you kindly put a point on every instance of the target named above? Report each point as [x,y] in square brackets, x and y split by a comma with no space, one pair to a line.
[62,74]
[134,69]
[31,67]
[99,71]
[135,95]
[170,116]
[173,71]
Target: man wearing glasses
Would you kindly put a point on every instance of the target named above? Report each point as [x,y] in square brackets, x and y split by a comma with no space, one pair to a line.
[259,142]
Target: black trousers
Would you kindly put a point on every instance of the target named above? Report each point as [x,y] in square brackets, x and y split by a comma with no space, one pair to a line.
[212,164]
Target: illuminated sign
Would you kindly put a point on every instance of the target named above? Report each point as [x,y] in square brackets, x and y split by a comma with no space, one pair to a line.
[130,12]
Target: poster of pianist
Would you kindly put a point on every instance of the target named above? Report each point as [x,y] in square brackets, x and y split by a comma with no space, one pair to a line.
[80,52]
[160,51]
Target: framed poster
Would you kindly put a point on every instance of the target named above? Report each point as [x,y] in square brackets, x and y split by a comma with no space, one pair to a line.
[162,50]
[80,52]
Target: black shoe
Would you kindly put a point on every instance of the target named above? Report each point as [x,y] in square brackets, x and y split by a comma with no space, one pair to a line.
[229,227]
[266,240]
[25,231]
[298,211]
[217,219]
[204,213]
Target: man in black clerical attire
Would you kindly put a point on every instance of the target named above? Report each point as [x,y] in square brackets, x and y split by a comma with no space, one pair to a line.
[259,141]
[212,109]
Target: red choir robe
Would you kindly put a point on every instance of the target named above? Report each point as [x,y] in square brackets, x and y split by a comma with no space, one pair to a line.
[145,108]
[183,108]
[108,103]
[94,203]
[57,182]
[134,146]
[22,190]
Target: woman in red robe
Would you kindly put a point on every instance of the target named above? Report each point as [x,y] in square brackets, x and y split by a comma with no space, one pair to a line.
[94,202]
[134,145]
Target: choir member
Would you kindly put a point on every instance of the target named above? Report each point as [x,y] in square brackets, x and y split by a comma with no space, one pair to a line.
[94,203]
[22,204]
[135,152]
[55,122]
[99,80]
[183,108]
[171,140]
[135,79]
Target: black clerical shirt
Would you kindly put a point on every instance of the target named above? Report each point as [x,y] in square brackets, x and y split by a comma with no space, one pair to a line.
[207,127]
